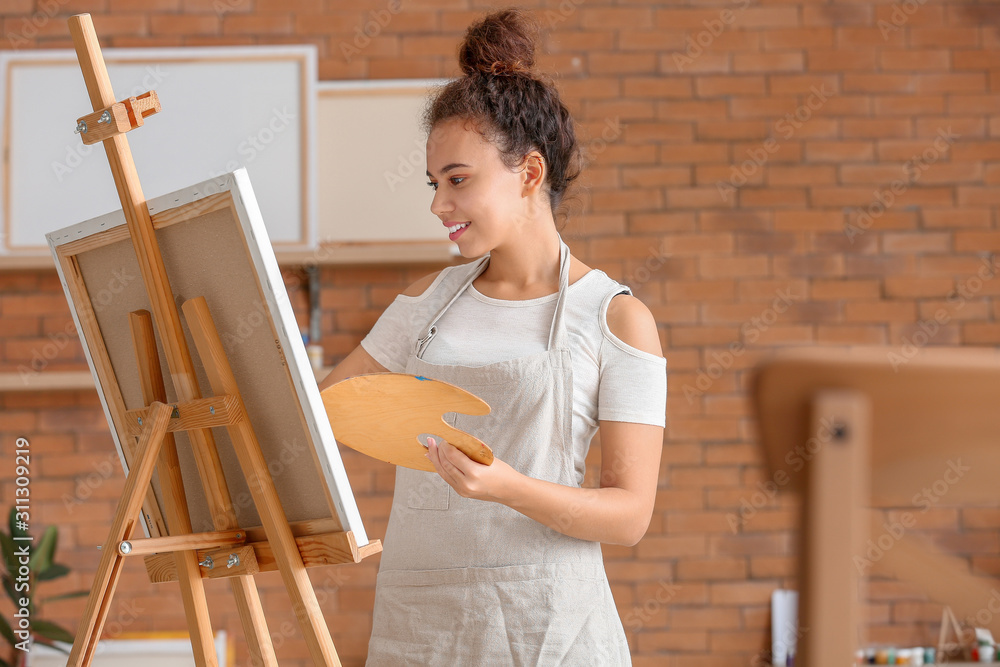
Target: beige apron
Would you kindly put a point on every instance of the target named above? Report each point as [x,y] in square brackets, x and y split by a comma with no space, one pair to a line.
[473,583]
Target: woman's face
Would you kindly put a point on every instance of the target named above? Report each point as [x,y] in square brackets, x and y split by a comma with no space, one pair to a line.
[477,198]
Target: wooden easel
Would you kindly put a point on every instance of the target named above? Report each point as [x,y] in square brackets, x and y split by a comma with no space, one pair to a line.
[230,551]
[950,648]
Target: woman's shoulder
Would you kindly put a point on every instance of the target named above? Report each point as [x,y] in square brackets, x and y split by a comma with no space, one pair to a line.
[423,287]
[629,320]
[617,317]
[419,287]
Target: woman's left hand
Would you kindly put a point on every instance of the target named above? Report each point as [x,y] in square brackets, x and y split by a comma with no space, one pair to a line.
[469,478]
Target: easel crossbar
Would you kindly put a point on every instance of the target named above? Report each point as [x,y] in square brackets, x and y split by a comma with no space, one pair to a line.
[315,551]
[199,413]
[156,545]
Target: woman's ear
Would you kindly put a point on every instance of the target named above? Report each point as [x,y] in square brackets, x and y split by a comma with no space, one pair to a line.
[532,173]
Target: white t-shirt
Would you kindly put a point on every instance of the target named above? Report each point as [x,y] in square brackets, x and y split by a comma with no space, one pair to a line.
[612,381]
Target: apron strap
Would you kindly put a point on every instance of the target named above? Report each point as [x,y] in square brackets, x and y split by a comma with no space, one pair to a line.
[425,338]
[557,332]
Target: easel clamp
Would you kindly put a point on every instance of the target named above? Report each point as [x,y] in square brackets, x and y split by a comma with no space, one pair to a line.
[118,118]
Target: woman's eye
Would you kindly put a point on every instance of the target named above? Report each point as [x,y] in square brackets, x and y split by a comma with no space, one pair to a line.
[452,180]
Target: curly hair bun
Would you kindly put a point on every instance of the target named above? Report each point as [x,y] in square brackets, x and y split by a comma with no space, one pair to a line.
[501,44]
[509,103]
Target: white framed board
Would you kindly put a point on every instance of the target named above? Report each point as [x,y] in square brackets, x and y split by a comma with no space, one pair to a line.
[223,108]
[371,162]
[214,245]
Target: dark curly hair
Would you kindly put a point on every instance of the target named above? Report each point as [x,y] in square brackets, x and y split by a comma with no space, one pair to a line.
[507,102]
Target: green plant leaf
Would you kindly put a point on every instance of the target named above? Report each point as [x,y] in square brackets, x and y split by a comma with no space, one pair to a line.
[12,520]
[8,585]
[8,552]
[66,596]
[41,557]
[53,571]
[50,630]
[7,631]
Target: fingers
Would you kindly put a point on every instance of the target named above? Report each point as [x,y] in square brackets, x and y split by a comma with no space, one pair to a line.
[446,457]
[437,460]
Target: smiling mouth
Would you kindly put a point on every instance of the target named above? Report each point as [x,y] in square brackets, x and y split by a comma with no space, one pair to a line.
[455,228]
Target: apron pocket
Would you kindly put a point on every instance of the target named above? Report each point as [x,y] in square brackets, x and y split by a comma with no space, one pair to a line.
[423,490]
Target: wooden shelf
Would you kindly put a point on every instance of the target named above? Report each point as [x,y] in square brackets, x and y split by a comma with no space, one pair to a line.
[68,381]
[346,254]
[430,252]
[26,262]
[51,381]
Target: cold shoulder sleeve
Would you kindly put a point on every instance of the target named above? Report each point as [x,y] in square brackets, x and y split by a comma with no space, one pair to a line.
[390,339]
[633,383]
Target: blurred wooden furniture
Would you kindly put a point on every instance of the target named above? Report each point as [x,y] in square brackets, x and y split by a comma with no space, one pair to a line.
[853,429]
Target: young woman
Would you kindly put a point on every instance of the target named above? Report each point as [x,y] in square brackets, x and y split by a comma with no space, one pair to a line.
[501,564]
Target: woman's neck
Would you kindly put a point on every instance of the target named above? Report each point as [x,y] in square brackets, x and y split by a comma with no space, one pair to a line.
[526,268]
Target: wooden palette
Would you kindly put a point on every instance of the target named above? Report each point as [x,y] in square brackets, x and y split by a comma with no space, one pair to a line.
[383,415]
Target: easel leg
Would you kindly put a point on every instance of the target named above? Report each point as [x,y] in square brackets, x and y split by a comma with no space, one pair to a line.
[833,529]
[286,553]
[188,572]
[129,505]
[178,520]
[254,623]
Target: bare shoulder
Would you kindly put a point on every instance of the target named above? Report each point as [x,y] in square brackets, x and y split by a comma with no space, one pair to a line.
[631,322]
[577,269]
[421,285]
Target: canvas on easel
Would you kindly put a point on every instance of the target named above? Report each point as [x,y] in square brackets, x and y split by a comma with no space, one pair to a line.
[210,402]
[214,245]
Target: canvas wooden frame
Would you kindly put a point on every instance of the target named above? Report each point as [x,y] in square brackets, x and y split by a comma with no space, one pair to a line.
[214,245]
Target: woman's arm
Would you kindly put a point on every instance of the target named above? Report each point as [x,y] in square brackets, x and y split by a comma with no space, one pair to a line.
[359,362]
[616,513]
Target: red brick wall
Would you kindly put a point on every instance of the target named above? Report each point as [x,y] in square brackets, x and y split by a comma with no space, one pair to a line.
[844,155]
